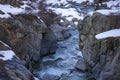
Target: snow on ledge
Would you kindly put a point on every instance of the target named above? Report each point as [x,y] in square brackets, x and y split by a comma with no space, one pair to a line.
[68,13]
[110,33]
[6,54]
[106,12]
[9,9]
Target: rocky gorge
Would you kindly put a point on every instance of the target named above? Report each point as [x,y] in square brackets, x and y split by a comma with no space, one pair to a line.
[31,39]
[41,43]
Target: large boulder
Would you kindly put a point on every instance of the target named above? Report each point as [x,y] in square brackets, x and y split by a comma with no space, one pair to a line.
[101,56]
[11,67]
[60,32]
[26,35]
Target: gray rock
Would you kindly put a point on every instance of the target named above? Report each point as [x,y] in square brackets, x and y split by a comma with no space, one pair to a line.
[73,76]
[102,55]
[13,69]
[80,65]
[49,43]
[64,77]
[29,37]
[50,77]
[1,12]
[60,32]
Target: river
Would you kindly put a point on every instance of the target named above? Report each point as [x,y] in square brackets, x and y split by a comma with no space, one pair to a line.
[64,60]
[61,65]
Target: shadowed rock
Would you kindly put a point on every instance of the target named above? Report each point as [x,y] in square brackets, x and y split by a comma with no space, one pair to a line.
[12,69]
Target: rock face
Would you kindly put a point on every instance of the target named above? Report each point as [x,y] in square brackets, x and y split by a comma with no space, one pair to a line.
[28,36]
[101,56]
[12,69]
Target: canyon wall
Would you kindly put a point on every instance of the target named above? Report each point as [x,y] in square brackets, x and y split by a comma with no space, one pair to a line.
[102,56]
[26,34]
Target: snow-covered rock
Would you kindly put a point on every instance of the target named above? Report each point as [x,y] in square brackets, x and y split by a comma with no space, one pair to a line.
[113,8]
[68,13]
[7,54]
[107,34]
[16,7]
[65,1]
[10,65]
[29,37]
[101,56]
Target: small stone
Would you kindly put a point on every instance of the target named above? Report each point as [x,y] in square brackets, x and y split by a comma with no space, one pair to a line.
[1,12]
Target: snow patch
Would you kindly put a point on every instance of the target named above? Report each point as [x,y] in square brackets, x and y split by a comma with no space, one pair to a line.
[68,13]
[9,9]
[114,8]
[80,1]
[6,54]
[56,2]
[65,1]
[110,33]
[111,4]
[36,78]
[33,9]
[106,12]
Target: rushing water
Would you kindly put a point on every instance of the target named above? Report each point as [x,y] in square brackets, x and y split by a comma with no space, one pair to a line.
[64,60]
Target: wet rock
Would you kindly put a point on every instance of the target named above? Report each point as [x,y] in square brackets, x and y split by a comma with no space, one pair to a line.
[50,77]
[101,56]
[64,77]
[49,43]
[16,71]
[63,46]
[1,12]
[73,76]
[80,65]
